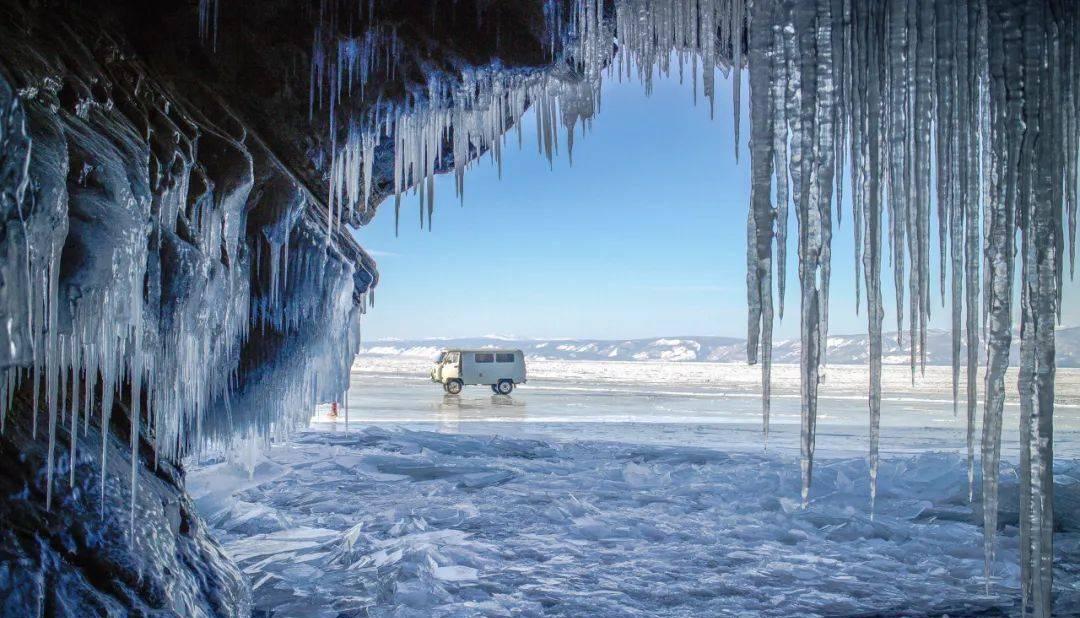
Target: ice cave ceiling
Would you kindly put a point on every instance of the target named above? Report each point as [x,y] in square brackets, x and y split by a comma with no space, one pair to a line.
[177,181]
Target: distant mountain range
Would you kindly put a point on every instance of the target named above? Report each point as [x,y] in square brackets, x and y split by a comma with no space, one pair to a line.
[842,349]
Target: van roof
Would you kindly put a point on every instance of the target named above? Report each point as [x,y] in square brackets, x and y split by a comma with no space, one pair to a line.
[489,350]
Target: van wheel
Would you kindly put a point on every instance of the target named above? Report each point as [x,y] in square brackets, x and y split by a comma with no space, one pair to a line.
[495,389]
[454,387]
[505,387]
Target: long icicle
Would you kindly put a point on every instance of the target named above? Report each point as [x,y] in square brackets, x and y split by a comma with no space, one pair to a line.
[759,241]
[1003,44]
[1040,198]
[867,146]
[970,201]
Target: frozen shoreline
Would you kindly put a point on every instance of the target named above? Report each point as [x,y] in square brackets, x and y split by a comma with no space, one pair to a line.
[736,379]
[718,396]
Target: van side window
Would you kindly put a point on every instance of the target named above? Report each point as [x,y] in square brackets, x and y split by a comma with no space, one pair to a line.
[451,357]
[504,358]
[485,357]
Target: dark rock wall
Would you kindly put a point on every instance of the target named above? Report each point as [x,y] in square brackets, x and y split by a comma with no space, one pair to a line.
[80,558]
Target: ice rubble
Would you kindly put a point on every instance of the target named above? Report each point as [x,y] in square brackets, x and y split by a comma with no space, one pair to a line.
[938,101]
[414,523]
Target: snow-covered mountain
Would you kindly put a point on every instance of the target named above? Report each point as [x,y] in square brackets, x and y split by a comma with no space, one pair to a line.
[842,350]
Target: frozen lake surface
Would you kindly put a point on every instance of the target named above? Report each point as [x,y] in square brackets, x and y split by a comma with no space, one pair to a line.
[592,493]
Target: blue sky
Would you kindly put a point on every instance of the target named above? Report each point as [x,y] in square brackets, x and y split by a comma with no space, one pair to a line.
[643,236]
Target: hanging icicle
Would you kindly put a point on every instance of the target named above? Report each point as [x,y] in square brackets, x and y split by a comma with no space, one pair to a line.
[983,80]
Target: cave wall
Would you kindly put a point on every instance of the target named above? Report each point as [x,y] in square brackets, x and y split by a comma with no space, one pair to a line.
[145,290]
[169,270]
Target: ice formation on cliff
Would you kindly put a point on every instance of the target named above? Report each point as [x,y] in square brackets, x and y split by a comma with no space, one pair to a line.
[175,279]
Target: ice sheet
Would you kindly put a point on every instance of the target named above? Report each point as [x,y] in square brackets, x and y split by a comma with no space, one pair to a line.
[560,501]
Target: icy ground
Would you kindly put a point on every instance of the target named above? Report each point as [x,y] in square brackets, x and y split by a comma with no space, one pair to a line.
[533,505]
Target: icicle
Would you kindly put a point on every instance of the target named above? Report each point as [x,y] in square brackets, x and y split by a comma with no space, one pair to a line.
[969,17]
[923,104]
[779,70]
[1071,55]
[867,144]
[812,209]
[737,28]
[136,373]
[822,176]
[951,55]
[841,49]
[54,361]
[1003,32]
[1041,166]
[108,377]
[76,364]
[896,69]
[759,242]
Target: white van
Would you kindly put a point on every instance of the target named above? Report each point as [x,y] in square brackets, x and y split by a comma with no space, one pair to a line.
[501,369]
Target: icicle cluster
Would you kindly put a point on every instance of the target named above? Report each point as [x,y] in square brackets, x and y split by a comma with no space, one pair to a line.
[452,120]
[969,105]
[157,297]
[455,118]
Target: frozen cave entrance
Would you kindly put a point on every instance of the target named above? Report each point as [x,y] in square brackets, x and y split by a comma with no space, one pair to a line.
[878,102]
[205,287]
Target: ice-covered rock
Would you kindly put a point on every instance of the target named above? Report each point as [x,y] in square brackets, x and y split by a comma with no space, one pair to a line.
[173,266]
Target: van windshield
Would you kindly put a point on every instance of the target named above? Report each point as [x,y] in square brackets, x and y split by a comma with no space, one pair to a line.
[442,356]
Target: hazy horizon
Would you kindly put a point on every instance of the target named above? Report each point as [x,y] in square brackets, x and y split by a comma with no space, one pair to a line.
[514,337]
